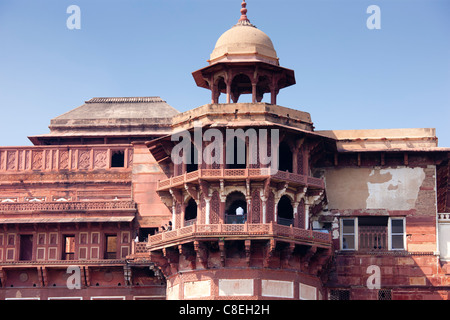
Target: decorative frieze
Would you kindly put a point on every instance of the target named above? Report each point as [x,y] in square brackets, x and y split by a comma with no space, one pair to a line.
[53,158]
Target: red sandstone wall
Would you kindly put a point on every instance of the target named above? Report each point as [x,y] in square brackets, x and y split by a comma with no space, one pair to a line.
[406,272]
[152,212]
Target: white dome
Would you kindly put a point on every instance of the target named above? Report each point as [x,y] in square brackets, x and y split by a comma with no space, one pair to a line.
[243,43]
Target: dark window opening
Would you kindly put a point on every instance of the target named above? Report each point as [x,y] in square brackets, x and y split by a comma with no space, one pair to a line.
[285,211]
[111,247]
[117,159]
[69,248]
[384,294]
[284,157]
[190,213]
[192,164]
[144,233]
[340,295]
[26,247]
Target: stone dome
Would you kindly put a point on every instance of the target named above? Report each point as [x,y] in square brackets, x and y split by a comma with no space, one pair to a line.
[244,43]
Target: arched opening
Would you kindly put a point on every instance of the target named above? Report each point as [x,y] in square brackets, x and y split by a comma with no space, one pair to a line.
[221,87]
[192,164]
[238,159]
[235,208]
[262,88]
[241,84]
[285,211]
[284,157]
[190,213]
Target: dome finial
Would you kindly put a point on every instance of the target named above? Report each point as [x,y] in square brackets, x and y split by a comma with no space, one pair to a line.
[244,11]
[243,21]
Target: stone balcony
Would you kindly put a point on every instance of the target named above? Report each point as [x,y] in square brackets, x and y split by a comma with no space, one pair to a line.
[246,231]
[240,174]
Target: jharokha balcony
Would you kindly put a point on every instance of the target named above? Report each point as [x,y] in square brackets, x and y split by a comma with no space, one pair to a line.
[246,231]
[240,174]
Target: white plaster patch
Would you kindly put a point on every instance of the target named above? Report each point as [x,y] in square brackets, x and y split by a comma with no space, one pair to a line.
[277,289]
[444,241]
[399,193]
[197,289]
[335,228]
[173,293]
[307,292]
[235,287]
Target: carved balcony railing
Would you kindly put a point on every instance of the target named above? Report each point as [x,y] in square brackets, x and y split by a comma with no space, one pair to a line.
[372,238]
[67,206]
[239,231]
[239,174]
[55,158]
[139,248]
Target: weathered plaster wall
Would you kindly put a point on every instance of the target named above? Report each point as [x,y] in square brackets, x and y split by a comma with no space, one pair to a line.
[373,188]
[394,191]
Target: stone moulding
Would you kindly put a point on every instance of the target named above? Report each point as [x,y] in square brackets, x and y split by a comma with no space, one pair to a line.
[68,206]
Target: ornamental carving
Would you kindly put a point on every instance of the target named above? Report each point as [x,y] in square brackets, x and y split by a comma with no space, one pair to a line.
[270,207]
[256,207]
[68,206]
[11,160]
[64,160]
[84,159]
[50,159]
[36,163]
[215,208]
[100,159]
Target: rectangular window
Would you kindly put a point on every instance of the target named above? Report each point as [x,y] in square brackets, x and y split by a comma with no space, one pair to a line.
[69,248]
[117,159]
[26,247]
[111,247]
[384,294]
[397,234]
[349,239]
[373,233]
[339,295]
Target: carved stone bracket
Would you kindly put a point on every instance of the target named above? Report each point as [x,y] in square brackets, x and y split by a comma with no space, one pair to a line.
[202,254]
[270,250]
[222,252]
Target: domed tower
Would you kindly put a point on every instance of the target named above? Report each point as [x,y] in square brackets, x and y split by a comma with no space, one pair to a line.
[244,61]
[242,229]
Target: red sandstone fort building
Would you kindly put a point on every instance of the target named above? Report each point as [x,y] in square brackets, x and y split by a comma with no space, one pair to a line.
[357,214]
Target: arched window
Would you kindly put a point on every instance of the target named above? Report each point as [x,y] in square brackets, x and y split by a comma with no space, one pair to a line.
[285,211]
[241,84]
[190,213]
[285,157]
[235,208]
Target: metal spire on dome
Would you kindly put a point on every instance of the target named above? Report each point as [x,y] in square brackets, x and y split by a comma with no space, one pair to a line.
[243,21]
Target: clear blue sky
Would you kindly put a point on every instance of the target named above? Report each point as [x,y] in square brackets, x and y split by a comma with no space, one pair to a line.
[348,77]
